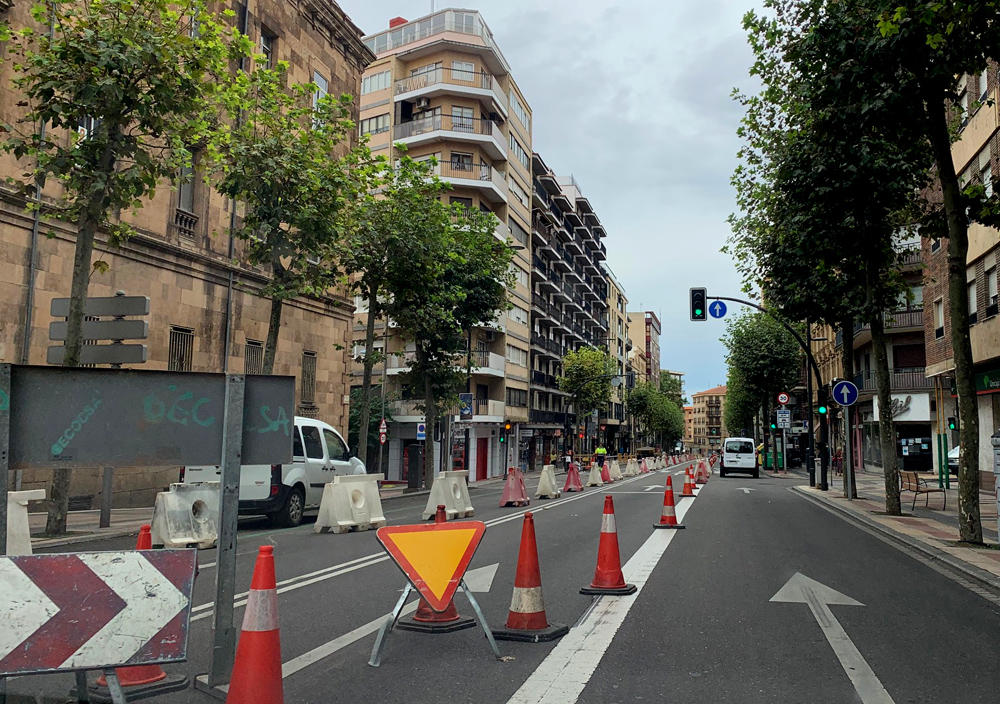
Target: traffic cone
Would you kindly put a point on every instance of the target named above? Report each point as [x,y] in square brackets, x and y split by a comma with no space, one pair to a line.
[608,577]
[257,669]
[668,517]
[139,681]
[605,473]
[573,482]
[688,484]
[426,619]
[702,472]
[514,493]
[526,620]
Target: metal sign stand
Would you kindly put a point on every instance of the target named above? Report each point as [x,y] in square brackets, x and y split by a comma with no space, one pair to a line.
[390,622]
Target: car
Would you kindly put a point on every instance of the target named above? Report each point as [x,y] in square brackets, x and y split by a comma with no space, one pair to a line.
[282,492]
[738,456]
[953,455]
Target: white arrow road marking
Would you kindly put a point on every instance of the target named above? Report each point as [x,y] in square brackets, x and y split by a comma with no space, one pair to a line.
[151,601]
[802,590]
[478,580]
[651,487]
[563,674]
[744,489]
[28,611]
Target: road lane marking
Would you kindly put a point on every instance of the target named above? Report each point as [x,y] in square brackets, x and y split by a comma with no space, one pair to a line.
[800,589]
[564,673]
[744,489]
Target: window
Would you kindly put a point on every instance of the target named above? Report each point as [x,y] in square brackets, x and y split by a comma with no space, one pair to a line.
[518,315]
[986,171]
[973,307]
[466,203]
[185,189]
[322,88]
[87,126]
[336,449]
[517,232]
[518,151]
[425,69]
[515,355]
[463,71]
[465,22]
[297,450]
[917,296]
[314,444]
[268,47]
[461,161]
[517,397]
[521,275]
[376,81]
[518,192]
[991,285]
[963,104]
[180,349]
[462,119]
[253,357]
[519,111]
[308,383]
[938,319]
[983,84]
[935,245]
[375,125]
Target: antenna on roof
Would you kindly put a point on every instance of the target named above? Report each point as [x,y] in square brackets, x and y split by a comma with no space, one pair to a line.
[432,6]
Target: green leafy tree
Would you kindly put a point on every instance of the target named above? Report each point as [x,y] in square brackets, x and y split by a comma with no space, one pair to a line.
[587,374]
[454,276]
[373,418]
[280,160]
[673,388]
[382,222]
[116,96]
[657,413]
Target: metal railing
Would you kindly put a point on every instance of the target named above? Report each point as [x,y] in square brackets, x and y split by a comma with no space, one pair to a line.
[901,379]
[484,359]
[450,123]
[450,76]
[458,169]
[895,319]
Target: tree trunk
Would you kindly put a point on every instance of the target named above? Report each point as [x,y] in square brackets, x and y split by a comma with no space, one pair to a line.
[969,525]
[766,413]
[886,433]
[273,329]
[366,384]
[847,361]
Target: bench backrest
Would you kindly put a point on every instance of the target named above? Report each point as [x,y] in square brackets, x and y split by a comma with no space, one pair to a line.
[909,480]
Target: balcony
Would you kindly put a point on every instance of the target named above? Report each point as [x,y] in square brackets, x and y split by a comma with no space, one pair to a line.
[488,363]
[486,410]
[905,320]
[902,379]
[441,81]
[399,365]
[552,417]
[481,177]
[484,133]
[547,381]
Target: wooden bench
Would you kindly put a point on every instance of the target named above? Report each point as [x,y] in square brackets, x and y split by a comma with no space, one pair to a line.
[910,481]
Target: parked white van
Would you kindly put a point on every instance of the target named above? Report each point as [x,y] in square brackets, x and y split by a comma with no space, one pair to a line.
[738,455]
[283,491]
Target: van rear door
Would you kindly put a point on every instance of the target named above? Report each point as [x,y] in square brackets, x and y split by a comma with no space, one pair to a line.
[739,454]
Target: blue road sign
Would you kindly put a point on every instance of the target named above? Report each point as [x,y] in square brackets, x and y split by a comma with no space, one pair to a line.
[421,431]
[717,309]
[845,393]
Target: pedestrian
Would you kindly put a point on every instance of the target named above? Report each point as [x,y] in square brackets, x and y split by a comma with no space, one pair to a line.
[602,453]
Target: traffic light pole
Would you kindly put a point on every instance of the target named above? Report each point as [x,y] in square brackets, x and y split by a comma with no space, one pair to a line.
[823,430]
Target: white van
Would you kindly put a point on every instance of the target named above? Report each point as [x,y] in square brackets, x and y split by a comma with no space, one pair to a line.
[738,455]
[283,491]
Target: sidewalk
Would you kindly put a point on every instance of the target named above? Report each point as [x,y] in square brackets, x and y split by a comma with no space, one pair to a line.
[930,530]
[83,526]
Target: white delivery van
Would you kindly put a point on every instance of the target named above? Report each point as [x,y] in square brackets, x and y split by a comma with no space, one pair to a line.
[738,455]
[283,491]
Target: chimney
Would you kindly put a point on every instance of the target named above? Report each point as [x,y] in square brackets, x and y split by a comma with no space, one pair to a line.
[396,21]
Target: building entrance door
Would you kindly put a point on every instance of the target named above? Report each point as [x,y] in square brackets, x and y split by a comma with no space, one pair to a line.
[482,458]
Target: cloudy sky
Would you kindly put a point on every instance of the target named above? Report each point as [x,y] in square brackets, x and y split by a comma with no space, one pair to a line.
[633,98]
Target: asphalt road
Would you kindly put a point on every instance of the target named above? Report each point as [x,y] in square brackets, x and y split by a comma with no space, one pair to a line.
[702,628]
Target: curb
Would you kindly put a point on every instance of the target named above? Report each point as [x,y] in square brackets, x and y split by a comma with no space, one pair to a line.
[981,576]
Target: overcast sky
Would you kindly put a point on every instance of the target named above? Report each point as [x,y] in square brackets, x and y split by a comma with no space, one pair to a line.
[632,97]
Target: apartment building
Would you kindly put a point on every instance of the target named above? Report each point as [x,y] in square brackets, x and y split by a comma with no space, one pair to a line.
[688,427]
[976,156]
[569,301]
[709,428]
[614,422]
[441,87]
[205,311]
[649,323]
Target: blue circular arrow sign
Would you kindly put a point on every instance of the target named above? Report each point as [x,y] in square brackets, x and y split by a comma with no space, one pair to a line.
[717,309]
[845,393]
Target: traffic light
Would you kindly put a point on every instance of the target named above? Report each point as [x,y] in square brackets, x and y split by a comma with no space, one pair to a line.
[952,423]
[699,310]
[821,408]
[503,433]
[774,426]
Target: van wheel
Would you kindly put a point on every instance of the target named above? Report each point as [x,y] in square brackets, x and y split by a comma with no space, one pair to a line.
[290,514]
[756,472]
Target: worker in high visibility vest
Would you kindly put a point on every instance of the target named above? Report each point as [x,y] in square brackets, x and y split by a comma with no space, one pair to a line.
[602,453]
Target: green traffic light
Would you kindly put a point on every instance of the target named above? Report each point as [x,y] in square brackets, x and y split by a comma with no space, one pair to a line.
[821,410]
[697,311]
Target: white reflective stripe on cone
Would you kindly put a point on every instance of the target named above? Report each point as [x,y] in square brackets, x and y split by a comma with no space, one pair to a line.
[527,600]
[608,523]
[668,511]
[261,610]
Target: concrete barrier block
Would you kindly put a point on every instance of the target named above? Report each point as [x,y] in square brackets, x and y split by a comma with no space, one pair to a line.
[349,503]
[547,488]
[451,490]
[18,531]
[187,515]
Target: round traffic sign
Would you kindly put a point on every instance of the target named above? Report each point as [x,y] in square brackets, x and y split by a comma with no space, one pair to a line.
[845,393]
[717,309]
[382,438]
[782,398]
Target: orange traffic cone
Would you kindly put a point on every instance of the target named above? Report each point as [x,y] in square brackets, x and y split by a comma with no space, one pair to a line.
[426,619]
[526,620]
[605,473]
[514,493]
[257,669]
[700,475]
[688,484]
[139,681]
[573,482]
[668,517]
[608,577]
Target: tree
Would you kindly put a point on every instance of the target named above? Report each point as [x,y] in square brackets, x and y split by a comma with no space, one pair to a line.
[586,375]
[673,388]
[373,418]
[455,276]
[658,413]
[383,221]
[928,46]
[279,159]
[133,83]
[742,404]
